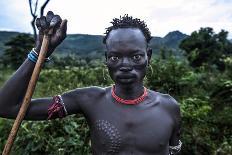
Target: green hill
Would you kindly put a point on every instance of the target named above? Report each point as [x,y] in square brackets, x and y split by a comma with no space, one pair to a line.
[86,45]
[170,41]
[82,45]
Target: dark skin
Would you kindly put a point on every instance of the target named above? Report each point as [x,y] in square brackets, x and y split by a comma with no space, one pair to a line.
[145,128]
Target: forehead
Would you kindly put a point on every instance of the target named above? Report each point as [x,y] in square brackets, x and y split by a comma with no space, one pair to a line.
[126,39]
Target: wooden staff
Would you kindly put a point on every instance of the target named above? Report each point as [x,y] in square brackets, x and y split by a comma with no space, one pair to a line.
[29,93]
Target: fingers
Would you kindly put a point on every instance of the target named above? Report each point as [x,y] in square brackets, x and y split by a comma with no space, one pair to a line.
[56,21]
[48,21]
[37,23]
[43,23]
[63,26]
[49,16]
[61,31]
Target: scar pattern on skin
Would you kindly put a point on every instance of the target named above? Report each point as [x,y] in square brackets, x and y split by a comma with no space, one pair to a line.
[111,134]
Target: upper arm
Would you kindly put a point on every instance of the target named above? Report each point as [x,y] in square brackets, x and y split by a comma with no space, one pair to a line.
[74,101]
[174,141]
[174,110]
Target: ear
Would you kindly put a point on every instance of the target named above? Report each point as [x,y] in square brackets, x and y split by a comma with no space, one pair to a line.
[149,54]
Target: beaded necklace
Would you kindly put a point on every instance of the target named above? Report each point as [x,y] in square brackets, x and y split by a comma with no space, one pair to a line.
[131,102]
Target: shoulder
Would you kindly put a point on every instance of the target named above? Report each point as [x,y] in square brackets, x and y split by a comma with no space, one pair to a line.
[80,99]
[84,92]
[168,102]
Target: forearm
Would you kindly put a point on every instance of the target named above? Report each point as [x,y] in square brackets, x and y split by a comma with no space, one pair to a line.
[13,91]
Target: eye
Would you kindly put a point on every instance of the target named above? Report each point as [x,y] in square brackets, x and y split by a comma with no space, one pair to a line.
[137,57]
[114,58]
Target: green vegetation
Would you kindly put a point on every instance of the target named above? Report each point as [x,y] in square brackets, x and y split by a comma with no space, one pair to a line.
[204,93]
[17,50]
[5,37]
[206,47]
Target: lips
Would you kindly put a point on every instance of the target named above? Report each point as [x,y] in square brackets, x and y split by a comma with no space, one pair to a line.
[126,76]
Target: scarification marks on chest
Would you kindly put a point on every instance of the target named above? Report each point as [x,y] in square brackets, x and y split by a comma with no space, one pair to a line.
[110,132]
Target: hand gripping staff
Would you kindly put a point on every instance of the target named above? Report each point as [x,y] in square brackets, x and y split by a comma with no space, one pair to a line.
[29,92]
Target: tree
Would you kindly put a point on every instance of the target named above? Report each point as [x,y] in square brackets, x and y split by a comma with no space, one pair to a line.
[17,51]
[34,13]
[206,47]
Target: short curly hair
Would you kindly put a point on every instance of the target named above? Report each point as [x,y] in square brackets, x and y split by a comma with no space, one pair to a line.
[128,22]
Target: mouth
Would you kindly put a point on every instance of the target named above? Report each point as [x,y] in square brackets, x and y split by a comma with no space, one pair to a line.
[126,76]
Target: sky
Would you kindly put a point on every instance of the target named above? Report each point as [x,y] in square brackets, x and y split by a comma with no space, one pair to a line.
[93,16]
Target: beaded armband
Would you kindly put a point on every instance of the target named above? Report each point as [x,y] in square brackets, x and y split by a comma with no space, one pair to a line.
[33,56]
[57,109]
[175,149]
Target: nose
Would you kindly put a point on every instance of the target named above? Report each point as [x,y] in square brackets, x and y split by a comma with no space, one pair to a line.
[125,66]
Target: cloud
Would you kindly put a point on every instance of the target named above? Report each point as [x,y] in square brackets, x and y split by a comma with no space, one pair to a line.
[15,15]
[188,16]
[90,16]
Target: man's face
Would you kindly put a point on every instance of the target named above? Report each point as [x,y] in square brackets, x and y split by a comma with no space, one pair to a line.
[126,56]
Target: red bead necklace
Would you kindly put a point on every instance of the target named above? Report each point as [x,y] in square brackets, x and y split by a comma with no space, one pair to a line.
[134,101]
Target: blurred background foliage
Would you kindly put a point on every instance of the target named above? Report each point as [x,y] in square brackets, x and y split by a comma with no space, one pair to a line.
[201,81]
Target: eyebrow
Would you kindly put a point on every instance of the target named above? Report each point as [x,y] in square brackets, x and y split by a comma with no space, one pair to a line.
[138,51]
[132,51]
[113,53]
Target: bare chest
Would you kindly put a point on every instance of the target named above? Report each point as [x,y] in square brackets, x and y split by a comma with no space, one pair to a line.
[145,129]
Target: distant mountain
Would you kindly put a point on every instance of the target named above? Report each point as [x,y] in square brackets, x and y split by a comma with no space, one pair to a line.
[82,44]
[171,41]
[91,45]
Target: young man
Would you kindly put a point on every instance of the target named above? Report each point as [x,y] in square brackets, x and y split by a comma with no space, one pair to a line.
[126,118]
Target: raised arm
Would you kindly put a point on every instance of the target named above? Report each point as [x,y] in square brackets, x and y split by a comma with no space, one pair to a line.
[13,91]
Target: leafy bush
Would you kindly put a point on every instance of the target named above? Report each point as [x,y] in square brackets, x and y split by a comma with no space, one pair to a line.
[17,50]
[204,96]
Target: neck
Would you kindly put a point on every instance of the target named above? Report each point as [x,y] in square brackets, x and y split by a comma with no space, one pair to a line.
[128,92]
